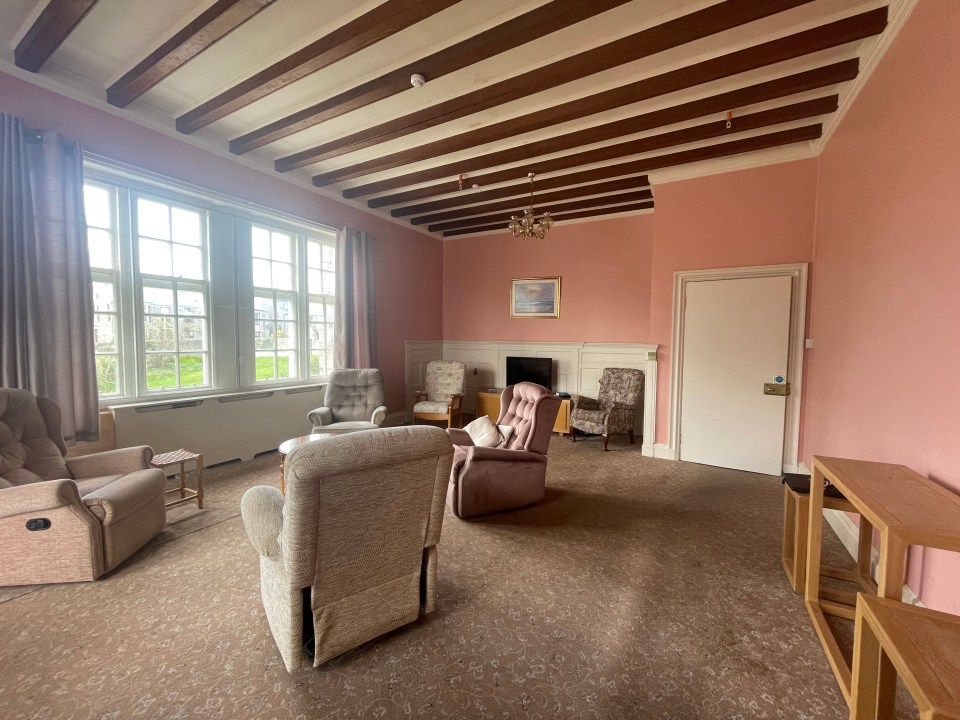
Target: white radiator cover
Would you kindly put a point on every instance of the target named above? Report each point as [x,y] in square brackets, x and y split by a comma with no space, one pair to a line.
[227,427]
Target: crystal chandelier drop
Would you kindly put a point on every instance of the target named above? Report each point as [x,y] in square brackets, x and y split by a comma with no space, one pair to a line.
[528,226]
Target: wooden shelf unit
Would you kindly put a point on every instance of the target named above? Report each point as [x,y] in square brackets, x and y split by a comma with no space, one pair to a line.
[904,507]
[488,403]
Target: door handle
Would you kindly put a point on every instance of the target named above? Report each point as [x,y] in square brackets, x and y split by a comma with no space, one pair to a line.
[782,389]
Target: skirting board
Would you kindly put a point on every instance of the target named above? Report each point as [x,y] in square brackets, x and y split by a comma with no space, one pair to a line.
[848,533]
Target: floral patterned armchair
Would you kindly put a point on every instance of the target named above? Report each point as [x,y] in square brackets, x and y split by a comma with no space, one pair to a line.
[621,392]
[443,396]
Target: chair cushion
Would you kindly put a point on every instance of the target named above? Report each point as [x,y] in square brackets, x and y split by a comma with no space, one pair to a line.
[433,407]
[589,421]
[27,453]
[351,425]
[484,433]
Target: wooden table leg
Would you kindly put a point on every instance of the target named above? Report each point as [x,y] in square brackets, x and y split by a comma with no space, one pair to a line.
[868,657]
[814,539]
[183,479]
[890,574]
[200,482]
[865,552]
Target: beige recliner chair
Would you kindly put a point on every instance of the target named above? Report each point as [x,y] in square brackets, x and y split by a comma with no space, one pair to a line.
[68,520]
[354,540]
[352,400]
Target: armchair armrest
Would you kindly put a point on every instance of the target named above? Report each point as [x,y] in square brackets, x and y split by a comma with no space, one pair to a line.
[585,403]
[419,395]
[460,437]
[456,399]
[111,462]
[482,454]
[262,511]
[379,415]
[120,499]
[38,497]
[321,416]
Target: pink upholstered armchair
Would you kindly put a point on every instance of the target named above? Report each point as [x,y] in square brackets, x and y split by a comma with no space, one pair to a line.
[489,479]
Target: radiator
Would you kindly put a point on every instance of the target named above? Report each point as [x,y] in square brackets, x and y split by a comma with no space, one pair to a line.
[228,427]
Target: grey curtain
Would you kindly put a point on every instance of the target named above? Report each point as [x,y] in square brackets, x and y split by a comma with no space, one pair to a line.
[355,324]
[46,295]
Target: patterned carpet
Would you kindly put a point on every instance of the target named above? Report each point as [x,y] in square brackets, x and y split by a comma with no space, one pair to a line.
[639,589]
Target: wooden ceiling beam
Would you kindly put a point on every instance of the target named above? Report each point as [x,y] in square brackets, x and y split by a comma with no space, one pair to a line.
[515,32]
[381,22]
[213,24]
[633,184]
[540,208]
[761,92]
[633,167]
[633,207]
[54,24]
[824,37]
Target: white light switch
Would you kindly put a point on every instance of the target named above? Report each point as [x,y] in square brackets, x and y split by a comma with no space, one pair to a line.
[808,343]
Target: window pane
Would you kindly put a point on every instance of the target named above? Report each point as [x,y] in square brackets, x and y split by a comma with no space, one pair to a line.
[96,205]
[157,300]
[161,371]
[186,226]
[190,302]
[315,311]
[265,366]
[105,333]
[187,262]
[263,307]
[155,257]
[107,374]
[286,336]
[158,333]
[316,336]
[261,242]
[315,282]
[153,219]
[329,283]
[103,297]
[329,358]
[193,370]
[263,335]
[285,309]
[286,364]
[282,276]
[193,334]
[100,244]
[281,247]
[261,273]
[329,258]
[313,254]
[315,363]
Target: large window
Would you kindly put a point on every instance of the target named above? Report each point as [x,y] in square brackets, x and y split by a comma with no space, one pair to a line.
[274,304]
[171,250]
[197,295]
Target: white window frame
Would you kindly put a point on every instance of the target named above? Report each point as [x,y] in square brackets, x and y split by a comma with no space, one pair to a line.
[327,240]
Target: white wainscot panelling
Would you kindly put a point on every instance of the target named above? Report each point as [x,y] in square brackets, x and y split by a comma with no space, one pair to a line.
[577,369]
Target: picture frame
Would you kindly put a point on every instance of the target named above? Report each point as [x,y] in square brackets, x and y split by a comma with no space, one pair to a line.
[535,297]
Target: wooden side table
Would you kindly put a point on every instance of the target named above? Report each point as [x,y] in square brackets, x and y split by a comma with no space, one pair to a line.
[181,457]
[921,646]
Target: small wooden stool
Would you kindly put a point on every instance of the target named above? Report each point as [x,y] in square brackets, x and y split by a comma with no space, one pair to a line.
[179,457]
[796,513]
[921,646]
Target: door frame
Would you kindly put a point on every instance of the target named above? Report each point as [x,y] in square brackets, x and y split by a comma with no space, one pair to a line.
[798,308]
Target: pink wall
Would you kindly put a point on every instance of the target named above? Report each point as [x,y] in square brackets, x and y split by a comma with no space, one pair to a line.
[883,380]
[762,216]
[408,264]
[604,268]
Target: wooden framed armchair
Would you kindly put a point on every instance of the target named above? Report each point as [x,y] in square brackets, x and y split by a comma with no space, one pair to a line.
[621,393]
[442,398]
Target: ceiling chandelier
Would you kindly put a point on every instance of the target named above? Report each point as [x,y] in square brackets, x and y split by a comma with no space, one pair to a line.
[528,226]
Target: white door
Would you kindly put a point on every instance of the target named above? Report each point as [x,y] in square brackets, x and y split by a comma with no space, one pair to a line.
[736,338]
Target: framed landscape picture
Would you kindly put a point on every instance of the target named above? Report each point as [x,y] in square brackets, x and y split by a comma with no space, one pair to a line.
[535,298]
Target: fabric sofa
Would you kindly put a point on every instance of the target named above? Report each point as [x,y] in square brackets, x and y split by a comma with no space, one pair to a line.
[68,520]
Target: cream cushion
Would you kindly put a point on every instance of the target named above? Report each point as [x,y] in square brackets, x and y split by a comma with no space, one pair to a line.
[483,432]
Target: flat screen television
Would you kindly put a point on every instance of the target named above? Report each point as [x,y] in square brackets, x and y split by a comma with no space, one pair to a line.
[530,369]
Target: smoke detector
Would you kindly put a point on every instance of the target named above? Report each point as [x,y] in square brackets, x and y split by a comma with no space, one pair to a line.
[417,80]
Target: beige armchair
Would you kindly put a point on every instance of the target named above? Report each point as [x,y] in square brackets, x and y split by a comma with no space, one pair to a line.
[352,400]
[442,398]
[350,552]
[68,520]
